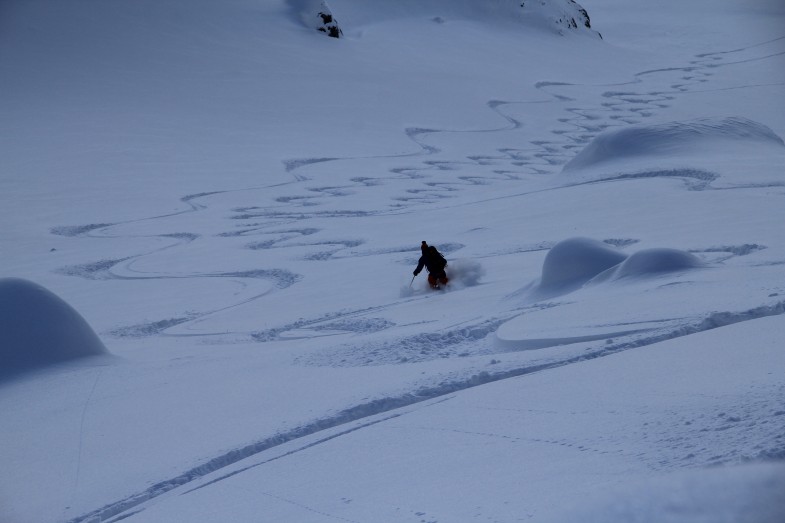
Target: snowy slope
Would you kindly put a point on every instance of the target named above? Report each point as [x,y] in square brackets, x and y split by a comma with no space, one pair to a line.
[234,203]
[526,448]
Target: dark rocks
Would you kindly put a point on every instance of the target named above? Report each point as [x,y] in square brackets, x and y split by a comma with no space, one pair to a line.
[317,14]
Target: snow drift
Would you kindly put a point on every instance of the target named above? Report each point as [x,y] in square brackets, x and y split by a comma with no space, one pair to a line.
[38,329]
[577,260]
[650,262]
[673,138]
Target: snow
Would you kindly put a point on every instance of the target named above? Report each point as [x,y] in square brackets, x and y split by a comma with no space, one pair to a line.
[656,261]
[234,205]
[527,446]
[39,329]
[744,493]
[577,260]
[703,136]
[554,16]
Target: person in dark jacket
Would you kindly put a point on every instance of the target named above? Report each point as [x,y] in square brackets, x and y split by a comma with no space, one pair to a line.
[432,260]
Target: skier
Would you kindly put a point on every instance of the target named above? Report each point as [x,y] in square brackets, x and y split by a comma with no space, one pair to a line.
[435,263]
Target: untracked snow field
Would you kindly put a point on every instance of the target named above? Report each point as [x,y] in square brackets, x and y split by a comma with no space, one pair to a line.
[210,217]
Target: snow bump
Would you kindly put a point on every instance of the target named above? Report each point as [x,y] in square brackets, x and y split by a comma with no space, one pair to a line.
[657,261]
[673,138]
[577,260]
[38,329]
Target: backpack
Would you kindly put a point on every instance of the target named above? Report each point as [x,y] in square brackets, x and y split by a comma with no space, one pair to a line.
[438,258]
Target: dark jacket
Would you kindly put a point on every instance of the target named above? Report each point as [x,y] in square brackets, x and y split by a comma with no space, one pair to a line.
[432,260]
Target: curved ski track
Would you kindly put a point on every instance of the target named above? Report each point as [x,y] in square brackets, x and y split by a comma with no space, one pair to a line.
[383,409]
[583,120]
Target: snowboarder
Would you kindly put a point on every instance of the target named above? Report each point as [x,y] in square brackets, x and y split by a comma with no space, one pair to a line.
[435,263]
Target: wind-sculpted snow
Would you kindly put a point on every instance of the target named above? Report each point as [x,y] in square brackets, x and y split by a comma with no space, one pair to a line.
[593,272]
[649,262]
[38,329]
[673,138]
[575,261]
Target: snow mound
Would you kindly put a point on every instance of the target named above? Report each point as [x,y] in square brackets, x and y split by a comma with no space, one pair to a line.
[38,329]
[655,261]
[673,138]
[575,261]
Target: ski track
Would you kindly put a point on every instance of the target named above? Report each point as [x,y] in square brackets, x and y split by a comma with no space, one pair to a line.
[588,111]
[722,422]
[78,471]
[452,342]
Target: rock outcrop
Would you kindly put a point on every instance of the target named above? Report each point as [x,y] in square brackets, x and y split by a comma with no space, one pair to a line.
[317,14]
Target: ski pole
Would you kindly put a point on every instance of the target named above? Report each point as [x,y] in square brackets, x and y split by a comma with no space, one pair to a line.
[410,283]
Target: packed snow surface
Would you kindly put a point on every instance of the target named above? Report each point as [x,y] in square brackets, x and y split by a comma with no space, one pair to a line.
[235,203]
